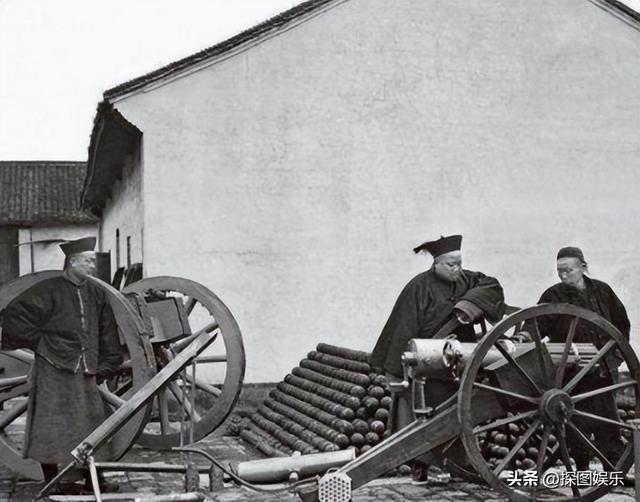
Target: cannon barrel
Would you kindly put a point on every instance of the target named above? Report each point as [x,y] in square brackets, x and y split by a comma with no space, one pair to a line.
[273,470]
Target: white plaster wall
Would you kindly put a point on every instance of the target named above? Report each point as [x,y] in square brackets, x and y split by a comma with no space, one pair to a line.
[48,256]
[294,178]
[123,211]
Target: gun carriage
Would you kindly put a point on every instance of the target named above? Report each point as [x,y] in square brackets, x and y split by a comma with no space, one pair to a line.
[157,320]
[529,390]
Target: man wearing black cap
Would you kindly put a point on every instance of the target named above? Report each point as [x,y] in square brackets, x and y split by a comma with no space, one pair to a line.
[68,323]
[425,304]
[578,289]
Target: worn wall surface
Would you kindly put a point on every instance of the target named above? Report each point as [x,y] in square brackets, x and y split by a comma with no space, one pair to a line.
[48,256]
[123,214]
[294,178]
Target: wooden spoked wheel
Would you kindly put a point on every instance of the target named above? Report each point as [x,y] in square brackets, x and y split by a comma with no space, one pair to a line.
[14,386]
[215,377]
[542,390]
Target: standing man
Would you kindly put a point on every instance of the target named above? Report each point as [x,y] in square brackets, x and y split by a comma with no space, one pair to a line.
[578,289]
[425,304]
[69,325]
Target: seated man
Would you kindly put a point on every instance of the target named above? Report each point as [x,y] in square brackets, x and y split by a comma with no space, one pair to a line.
[425,304]
[578,289]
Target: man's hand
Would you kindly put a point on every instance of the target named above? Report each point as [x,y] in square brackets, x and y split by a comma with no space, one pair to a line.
[467,312]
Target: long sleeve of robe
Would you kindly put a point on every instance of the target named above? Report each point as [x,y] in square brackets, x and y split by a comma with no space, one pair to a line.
[425,304]
[69,324]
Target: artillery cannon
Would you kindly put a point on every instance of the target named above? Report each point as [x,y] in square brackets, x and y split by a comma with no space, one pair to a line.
[532,390]
[157,320]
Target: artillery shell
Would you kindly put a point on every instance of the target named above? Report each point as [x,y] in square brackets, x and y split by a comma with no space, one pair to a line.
[355,355]
[339,362]
[532,452]
[357,439]
[358,391]
[371,404]
[527,464]
[381,381]
[372,438]
[521,454]
[377,426]
[385,402]
[347,376]
[283,436]
[362,413]
[333,383]
[313,412]
[333,395]
[381,414]
[513,428]
[376,391]
[317,401]
[360,426]
[253,439]
[296,429]
[342,440]
[364,449]
[302,419]
[622,414]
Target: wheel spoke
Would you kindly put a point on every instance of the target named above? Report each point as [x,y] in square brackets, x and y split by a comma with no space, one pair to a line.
[190,304]
[212,359]
[163,411]
[564,453]
[586,395]
[525,376]
[181,344]
[542,452]
[110,397]
[521,441]
[202,385]
[6,383]
[565,353]
[604,420]
[9,416]
[593,447]
[504,421]
[497,390]
[580,375]
[179,395]
[544,363]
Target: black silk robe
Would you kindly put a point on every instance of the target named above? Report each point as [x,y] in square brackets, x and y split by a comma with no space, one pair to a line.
[69,323]
[425,304]
[597,297]
[70,327]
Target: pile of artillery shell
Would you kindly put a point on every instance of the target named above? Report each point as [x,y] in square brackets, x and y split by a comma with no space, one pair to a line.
[498,444]
[331,401]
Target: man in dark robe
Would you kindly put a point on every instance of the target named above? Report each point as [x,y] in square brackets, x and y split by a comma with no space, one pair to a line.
[69,325]
[578,289]
[425,304]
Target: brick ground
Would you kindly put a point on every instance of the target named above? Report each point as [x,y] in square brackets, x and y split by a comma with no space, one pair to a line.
[228,449]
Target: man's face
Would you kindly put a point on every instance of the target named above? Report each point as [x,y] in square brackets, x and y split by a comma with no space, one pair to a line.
[571,271]
[448,266]
[83,263]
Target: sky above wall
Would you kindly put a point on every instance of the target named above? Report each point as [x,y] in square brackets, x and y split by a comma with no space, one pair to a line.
[57,57]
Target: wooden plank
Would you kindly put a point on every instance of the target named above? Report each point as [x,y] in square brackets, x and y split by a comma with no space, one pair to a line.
[140,398]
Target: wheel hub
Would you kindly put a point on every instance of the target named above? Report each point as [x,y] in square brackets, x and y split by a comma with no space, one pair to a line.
[556,406]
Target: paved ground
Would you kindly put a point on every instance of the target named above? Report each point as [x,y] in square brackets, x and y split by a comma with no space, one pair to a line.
[228,449]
